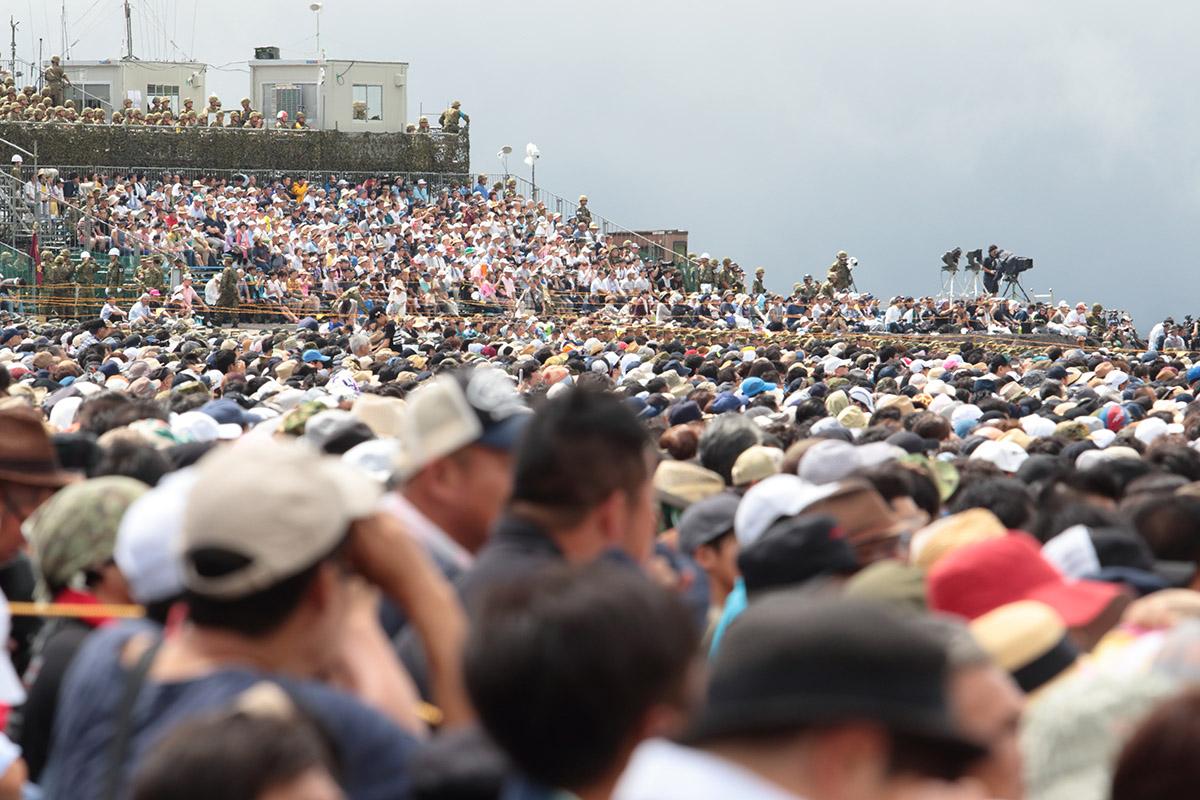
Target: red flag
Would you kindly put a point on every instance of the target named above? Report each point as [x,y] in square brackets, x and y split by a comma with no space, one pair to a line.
[33,254]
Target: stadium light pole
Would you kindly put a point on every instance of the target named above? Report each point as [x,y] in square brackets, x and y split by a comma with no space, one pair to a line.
[532,154]
[503,155]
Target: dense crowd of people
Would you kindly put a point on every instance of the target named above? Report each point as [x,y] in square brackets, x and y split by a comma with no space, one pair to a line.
[416,555]
[375,489]
[289,248]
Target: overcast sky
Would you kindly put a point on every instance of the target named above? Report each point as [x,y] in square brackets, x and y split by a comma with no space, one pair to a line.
[780,132]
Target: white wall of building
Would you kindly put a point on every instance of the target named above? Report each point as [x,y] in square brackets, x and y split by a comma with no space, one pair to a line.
[108,83]
[329,101]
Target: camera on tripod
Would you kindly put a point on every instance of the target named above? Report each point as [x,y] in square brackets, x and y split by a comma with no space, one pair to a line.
[950,259]
[1015,265]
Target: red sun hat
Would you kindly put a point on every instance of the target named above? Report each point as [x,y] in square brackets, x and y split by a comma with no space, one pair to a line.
[983,576]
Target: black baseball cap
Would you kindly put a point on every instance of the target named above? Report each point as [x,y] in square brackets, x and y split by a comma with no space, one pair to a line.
[795,550]
[796,659]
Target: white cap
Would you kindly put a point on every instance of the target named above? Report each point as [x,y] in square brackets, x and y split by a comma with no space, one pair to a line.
[147,546]
[776,497]
[281,525]
[1149,429]
[194,426]
[1008,456]
[114,252]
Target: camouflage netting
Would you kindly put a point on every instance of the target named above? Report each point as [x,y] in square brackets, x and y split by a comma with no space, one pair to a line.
[216,148]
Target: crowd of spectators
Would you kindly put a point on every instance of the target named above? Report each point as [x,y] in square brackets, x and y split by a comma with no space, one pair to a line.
[437,558]
[290,247]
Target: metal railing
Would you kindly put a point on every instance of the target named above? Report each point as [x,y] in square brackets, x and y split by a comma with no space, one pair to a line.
[435,180]
[570,208]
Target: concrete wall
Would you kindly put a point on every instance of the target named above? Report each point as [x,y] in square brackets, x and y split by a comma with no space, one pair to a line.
[220,149]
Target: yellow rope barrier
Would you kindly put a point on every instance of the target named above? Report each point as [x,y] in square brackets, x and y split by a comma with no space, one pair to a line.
[426,712]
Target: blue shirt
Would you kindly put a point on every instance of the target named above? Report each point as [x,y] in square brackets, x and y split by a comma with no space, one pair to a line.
[735,604]
[372,749]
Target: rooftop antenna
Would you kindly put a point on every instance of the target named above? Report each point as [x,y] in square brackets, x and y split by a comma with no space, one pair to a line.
[12,64]
[128,33]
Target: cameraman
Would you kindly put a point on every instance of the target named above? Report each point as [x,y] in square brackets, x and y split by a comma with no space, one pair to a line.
[1158,335]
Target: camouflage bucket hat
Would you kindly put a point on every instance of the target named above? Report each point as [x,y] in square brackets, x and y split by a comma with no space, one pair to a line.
[75,530]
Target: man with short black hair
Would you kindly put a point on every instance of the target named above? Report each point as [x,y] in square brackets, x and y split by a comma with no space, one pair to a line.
[583,489]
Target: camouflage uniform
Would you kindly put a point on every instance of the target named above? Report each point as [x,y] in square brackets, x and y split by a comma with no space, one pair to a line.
[838,275]
[116,275]
[56,78]
[85,288]
[149,276]
[61,273]
[228,296]
[452,116]
[757,287]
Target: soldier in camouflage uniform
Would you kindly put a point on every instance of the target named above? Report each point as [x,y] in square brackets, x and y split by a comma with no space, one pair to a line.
[116,275]
[149,276]
[1097,322]
[708,273]
[452,116]
[61,273]
[758,287]
[727,278]
[838,275]
[227,298]
[85,287]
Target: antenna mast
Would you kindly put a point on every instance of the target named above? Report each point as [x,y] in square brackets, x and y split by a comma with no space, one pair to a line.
[128,33]
[12,64]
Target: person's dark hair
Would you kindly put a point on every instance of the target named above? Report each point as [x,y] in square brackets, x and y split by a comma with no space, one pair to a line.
[1177,459]
[133,460]
[1007,498]
[896,480]
[680,441]
[95,412]
[928,425]
[1158,762]
[181,402]
[256,614]
[1051,522]
[5,380]
[726,438]
[77,452]
[235,755]
[600,645]
[1170,525]
[578,449]
[102,413]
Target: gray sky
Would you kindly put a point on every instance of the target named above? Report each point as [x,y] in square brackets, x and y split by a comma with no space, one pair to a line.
[780,132]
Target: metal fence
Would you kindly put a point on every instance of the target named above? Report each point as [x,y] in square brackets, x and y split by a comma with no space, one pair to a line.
[435,180]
